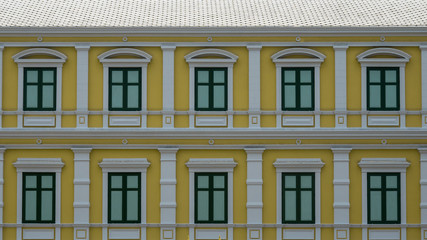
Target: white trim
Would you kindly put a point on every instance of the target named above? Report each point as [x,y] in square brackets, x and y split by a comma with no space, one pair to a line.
[378,121]
[254,50]
[168,84]
[211,165]
[340,84]
[423,186]
[82,84]
[401,55]
[115,233]
[226,56]
[20,57]
[124,165]
[423,49]
[127,121]
[39,121]
[318,57]
[105,57]
[38,234]
[1,96]
[211,121]
[2,150]
[293,121]
[298,165]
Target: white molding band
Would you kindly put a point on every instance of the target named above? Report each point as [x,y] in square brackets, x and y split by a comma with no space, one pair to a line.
[313,165]
[254,85]
[340,84]
[168,84]
[82,84]
[423,49]
[423,190]
[2,150]
[1,91]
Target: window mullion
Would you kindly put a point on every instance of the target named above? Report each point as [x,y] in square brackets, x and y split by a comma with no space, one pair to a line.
[383,84]
[125,90]
[383,199]
[298,196]
[40,89]
[297,89]
[211,87]
[39,197]
[124,198]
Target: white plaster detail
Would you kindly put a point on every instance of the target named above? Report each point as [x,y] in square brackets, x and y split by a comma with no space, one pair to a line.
[366,56]
[298,121]
[38,234]
[254,83]
[82,83]
[423,49]
[340,84]
[108,55]
[168,233]
[254,233]
[81,234]
[211,234]
[168,83]
[341,233]
[2,150]
[125,121]
[384,234]
[383,121]
[1,98]
[297,234]
[21,56]
[281,55]
[116,233]
[38,121]
[204,54]
[423,189]
[211,121]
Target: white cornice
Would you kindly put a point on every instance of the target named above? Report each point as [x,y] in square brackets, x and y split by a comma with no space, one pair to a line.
[196,164]
[283,164]
[384,164]
[39,51]
[109,164]
[38,164]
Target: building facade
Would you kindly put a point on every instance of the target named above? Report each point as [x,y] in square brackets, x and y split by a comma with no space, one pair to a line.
[200,132]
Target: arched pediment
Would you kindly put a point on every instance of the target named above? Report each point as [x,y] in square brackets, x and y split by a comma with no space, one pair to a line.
[286,55]
[371,54]
[135,55]
[211,55]
[56,56]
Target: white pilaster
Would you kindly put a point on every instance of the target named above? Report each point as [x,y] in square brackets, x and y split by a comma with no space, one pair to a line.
[81,191]
[1,86]
[254,84]
[2,150]
[424,84]
[168,191]
[168,85]
[254,202]
[341,191]
[340,85]
[82,84]
[423,184]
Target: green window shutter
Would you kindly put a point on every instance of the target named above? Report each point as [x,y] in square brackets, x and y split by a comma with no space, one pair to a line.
[125,89]
[298,89]
[211,89]
[39,89]
[211,197]
[383,89]
[298,196]
[383,198]
[38,203]
[124,197]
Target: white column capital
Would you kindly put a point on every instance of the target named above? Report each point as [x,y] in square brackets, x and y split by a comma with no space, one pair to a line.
[82,153]
[254,46]
[340,46]
[422,151]
[2,150]
[341,150]
[82,46]
[423,46]
[168,46]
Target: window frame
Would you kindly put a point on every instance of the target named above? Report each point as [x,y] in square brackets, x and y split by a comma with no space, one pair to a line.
[211,189]
[298,88]
[382,84]
[125,84]
[383,198]
[211,85]
[39,85]
[124,196]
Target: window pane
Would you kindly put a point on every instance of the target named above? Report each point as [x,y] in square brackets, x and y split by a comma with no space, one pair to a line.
[117,97]
[390,96]
[290,206]
[48,76]
[30,205]
[47,182]
[47,101]
[116,181]
[289,76]
[132,182]
[32,96]
[289,96]
[306,206]
[219,206]
[202,181]
[203,97]
[391,181]
[117,76]
[116,206]
[390,76]
[391,206]
[305,76]
[30,181]
[46,205]
[219,96]
[305,97]
[133,97]
[374,76]
[218,181]
[306,181]
[375,181]
[202,205]
[375,208]
[132,205]
[202,76]
[374,96]
[290,182]
[133,76]
[219,76]
[32,76]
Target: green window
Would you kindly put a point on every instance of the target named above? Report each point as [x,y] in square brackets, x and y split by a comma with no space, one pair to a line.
[125,89]
[383,198]
[211,197]
[38,202]
[298,89]
[124,198]
[211,89]
[383,88]
[298,198]
[39,89]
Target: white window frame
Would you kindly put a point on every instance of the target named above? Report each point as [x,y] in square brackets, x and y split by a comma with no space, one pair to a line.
[141,62]
[383,165]
[200,58]
[365,59]
[123,165]
[34,165]
[211,165]
[298,165]
[23,62]
[282,61]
